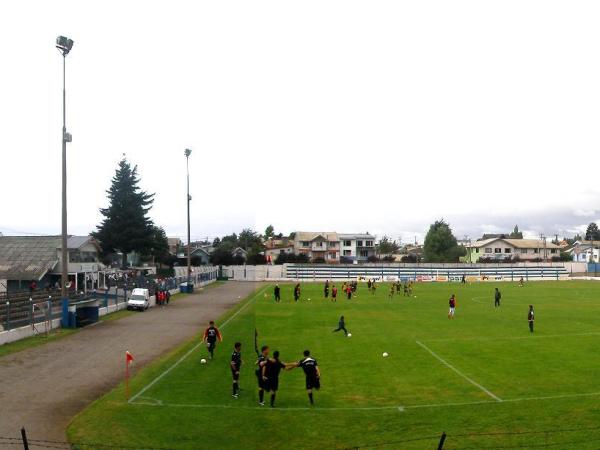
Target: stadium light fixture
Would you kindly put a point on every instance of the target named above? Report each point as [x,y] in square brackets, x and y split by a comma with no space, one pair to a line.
[64,45]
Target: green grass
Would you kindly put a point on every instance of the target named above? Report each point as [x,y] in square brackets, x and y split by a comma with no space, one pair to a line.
[547,381]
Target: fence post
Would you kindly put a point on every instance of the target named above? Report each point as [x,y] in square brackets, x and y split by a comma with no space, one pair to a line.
[7,315]
[24,437]
[31,312]
[442,440]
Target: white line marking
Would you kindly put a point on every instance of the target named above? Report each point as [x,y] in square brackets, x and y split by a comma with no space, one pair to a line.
[450,366]
[192,350]
[373,408]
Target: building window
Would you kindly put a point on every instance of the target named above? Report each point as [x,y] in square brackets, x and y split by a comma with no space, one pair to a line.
[523,250]
[507,250]
[553,250]
[347,252]
[369,243]
[332,244]
[536,250]
[318,244]
[364,253]
[359,243]
[488,250]
[497,250]
[476,250]
[347,243]
[304,243]
[332,255]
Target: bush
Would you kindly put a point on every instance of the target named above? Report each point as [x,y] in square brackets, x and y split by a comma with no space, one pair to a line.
[388,258]
[409,259]
[373,259]
[345,260]
[256,259]
[318,260]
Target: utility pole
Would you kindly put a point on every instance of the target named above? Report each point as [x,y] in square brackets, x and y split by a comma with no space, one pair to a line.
[187,154]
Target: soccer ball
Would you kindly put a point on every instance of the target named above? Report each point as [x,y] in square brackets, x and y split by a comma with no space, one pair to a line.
[265,295]
[309,299]
[349,334]
[385,354]
[202,361]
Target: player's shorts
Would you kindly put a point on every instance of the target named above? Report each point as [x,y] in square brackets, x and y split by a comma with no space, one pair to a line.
[235,374]
[451,310]
[313,383]
[262,384]
[272,384]
[211,345]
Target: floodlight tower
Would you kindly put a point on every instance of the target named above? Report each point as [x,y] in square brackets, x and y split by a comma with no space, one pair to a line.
[187,154]
[64,46]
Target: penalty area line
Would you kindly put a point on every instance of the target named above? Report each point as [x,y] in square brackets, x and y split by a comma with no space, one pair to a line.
[192,350]
[458,372]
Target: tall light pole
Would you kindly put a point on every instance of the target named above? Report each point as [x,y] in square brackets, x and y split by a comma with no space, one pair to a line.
[187,154]
[64,46]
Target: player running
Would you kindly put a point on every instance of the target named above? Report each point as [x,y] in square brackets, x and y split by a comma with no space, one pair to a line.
[530,318]
[334,292]
[521,282]
[341,326]
[497,297]
[392,288]
[211,334]
[271,371]
[311,370]
[326,289]
[260,363]
[277,293]
[236,365]
[452,304]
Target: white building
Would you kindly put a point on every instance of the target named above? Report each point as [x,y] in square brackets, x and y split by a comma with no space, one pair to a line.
[582,251]
[357,247]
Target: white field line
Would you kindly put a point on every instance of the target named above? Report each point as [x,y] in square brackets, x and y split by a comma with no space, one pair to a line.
[451,367]
[154,402]
[192,350]
[510,338]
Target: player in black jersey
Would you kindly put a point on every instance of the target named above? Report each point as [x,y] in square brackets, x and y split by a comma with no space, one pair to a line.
[211,334]
[236,365]
[311,370]
[260,363]
[271,371]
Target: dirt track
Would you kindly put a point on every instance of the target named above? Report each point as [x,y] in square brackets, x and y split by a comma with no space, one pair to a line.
[44,387]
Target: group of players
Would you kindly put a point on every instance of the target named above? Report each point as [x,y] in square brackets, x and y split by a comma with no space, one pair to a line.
[268,368]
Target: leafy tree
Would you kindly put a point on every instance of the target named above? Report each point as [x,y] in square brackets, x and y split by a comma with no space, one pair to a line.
[516,234]
[256,259]
[216,242]
[221,256]
[440,244]
[126,226]
[592,233]
[269,232]
[386,246]
[250,241]
[159,246]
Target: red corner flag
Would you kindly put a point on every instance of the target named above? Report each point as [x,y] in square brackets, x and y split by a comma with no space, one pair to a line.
[128,360]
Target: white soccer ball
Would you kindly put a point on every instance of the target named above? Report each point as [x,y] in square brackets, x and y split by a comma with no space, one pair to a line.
[349,334]
[202,361]
[309,299]
[385,354]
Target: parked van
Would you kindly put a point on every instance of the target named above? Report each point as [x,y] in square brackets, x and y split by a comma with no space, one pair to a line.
[139,299]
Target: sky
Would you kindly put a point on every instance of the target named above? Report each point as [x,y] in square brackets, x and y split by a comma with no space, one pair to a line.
[346,116]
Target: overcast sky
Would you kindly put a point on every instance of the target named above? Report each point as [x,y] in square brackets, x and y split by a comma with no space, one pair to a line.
[316,115]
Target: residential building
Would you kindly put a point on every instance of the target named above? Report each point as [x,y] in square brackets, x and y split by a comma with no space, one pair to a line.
[318,246]
[272,253]
[515,249]
[582,251]
[175,245]
[356,248]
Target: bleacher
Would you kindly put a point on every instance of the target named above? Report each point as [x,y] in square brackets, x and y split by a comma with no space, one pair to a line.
[480,272]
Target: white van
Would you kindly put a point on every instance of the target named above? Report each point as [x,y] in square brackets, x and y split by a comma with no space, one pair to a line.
[139,299]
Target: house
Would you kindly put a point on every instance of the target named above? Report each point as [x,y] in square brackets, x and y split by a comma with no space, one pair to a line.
[200,255]
[239,252]
[318,246]
[175,244]
[272,253]
[24,259]
[582,251]
[356,247]
[515,249]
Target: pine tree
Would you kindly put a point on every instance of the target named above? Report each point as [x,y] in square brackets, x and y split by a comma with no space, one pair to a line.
[126,226]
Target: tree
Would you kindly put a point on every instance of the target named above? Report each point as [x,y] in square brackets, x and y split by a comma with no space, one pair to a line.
[592,233]
[516,234]
[126,226]
[440,244]
[221,256]
[386,246]
[250,241]
[159,246]
[269,232]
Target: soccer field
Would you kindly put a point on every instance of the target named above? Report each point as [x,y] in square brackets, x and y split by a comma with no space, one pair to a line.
[482,377]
